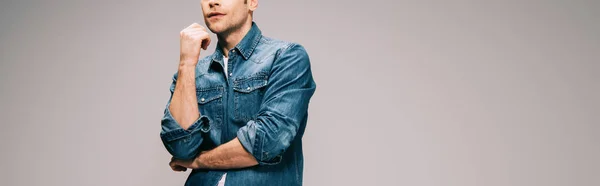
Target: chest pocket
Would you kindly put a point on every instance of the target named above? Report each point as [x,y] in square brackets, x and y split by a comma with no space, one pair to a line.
[248,95]
[210,104]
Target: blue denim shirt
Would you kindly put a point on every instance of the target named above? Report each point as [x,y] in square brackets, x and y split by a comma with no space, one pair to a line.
[263,102]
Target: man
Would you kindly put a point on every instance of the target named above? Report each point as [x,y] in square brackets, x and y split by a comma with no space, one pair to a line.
[237,117]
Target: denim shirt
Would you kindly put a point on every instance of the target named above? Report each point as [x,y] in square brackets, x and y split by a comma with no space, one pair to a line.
[263,102]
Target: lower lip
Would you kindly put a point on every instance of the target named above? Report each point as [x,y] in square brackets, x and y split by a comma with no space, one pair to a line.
[216,16]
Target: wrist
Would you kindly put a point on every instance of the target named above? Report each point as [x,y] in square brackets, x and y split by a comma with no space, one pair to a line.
[187,64]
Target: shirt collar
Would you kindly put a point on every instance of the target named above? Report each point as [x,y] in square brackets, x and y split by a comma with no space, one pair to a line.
[246,46]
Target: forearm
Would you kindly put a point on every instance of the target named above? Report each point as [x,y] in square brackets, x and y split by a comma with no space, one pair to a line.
[184,104]
[230,155]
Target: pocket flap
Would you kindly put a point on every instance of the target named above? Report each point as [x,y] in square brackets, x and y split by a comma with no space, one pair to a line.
[207,95]
[250,84]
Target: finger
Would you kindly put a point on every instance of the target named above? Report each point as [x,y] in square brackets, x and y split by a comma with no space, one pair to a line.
[194,25]
[202,29]
[205,40]
[176,167]
[200,33]
[182,163]
[192,32]
[205,43]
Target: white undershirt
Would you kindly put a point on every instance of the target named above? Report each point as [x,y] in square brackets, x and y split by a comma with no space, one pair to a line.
[222,181]
[225,59]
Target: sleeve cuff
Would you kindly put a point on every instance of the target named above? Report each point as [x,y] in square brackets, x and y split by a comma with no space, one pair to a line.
[251,139]
[171,130]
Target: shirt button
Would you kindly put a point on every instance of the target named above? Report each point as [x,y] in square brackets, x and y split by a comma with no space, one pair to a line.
[202,99]
[230,74]
[248,88]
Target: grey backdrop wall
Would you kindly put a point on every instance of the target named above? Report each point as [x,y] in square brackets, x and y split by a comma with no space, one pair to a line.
[435,92]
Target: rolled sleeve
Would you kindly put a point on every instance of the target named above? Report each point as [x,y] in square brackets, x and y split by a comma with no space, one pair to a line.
[247,136]
[182,143]
[284,108]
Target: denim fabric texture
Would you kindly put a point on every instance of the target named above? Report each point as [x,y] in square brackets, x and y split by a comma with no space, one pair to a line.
[263,101]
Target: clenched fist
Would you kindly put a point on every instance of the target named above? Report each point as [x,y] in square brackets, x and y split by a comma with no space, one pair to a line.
[192,39]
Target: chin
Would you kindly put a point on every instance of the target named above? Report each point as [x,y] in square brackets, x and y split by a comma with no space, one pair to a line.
[216,28]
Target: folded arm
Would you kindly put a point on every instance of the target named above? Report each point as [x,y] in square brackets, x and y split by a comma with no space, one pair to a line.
[284,107]
[182,125]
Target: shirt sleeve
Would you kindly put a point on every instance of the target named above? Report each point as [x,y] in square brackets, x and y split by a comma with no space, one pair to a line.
[182,143]
[283,109]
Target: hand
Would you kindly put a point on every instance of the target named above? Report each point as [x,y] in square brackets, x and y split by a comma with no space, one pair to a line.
[182,165]
[192,39]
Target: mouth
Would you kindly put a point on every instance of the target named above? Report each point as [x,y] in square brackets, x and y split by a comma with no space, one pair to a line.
[215,15]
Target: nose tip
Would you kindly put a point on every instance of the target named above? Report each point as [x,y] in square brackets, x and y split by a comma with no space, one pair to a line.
[212,3]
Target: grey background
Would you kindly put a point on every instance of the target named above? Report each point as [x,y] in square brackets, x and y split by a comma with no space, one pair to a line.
[435,92]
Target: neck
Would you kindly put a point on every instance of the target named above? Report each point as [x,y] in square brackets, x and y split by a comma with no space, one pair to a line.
[228,40]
